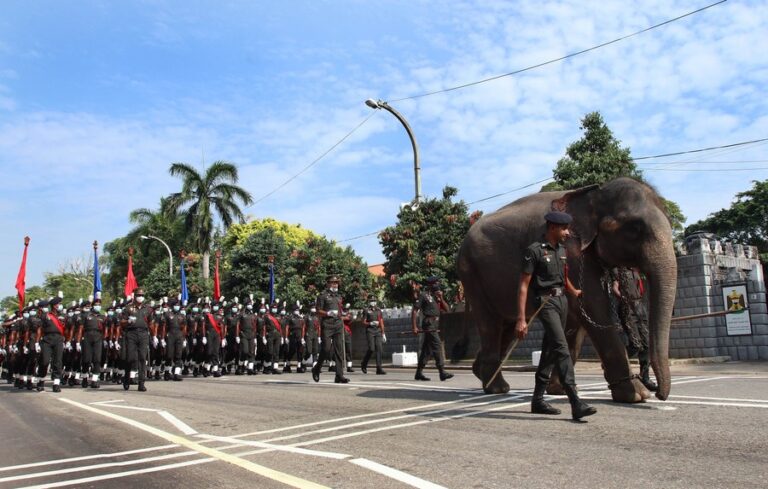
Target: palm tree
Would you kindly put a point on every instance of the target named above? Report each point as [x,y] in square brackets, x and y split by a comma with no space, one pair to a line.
[214,192]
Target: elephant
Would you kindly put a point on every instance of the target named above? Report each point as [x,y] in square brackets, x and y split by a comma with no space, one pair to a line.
[619,223]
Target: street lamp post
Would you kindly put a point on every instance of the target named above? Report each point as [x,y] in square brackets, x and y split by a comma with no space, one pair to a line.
[380,104]
[170,255]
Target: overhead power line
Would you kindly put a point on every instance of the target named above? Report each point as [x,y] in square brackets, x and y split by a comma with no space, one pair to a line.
[706,169]
[315,161]
[571,55]
[700,150]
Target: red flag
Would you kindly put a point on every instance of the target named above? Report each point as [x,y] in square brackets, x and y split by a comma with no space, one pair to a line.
[21,284]
[130,280]
[216,285]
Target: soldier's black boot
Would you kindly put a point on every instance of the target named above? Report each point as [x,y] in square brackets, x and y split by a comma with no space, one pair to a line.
[645,377]
[126,381]
[444,375]
[380,371]
[538,404]
[167,375]
[420,376]
[142,387]
[579,408]
[95,384]
[40,386]
[316,372]
[56,388]
[84,382]
[364,368]
[341,380]
[29,385]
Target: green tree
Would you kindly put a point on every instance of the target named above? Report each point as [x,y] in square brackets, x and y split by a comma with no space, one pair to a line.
[424,242]
[207,195]
[597,158]
[745,221]
[302,262]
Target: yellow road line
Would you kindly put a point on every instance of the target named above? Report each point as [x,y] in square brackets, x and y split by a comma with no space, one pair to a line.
[275,475]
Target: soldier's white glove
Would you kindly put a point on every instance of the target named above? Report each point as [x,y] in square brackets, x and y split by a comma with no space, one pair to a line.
[69,346]
[223,342]
[373,323]
[15,349]
[319,340]
[264,340]
[383,338]
[106,344]
[194,341]
[303,342]
[237,340]
[131,319]
[282,340]
[205,340]
[155,342]
[117,345]
[26,350]
[184,344]
[79,347]
[255,342]
[163,343]
[111,344]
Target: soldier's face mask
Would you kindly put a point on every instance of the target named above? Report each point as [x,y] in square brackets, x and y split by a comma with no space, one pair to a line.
[86,309]
[334,288]
[70,313]
[205,309]
[26,315]
[195,309]
[184,312]
[262,311]
[97,308]
[45,309]
[110,313]
[274,310]
[249,307]
[139,299]
[33,313]
[313,309]
[215,308]
[176,308]
[59,307]
[234,310]
[118,311]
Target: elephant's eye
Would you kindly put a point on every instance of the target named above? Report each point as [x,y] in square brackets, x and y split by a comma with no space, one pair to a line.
[634,228]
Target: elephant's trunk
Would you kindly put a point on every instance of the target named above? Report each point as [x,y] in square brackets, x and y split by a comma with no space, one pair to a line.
[661,268]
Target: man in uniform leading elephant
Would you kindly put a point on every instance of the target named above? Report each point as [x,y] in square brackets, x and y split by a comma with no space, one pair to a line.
[544,272]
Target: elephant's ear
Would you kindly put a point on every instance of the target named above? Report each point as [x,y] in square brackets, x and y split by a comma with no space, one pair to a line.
[578,203]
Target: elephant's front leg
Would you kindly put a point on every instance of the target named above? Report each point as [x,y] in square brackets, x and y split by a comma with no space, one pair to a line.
[616,369]
[490,355]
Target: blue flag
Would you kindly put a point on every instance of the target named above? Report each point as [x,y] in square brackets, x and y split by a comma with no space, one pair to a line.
[96,276]
[184,290]
[271,283]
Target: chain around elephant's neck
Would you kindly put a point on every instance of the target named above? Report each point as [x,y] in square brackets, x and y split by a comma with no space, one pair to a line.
[584,313]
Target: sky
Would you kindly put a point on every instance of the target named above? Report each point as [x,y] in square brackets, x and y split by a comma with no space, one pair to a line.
[98,98]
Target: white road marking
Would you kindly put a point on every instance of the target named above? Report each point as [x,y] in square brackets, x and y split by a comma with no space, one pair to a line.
[86,480]
[134,408]
[87,457]
[396,474]
[705,403]
[281,448]
[245,464]
[359,416]
[182,426]
[104,403]
[720,399]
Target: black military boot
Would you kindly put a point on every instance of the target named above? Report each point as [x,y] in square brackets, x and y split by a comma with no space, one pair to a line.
[142,387]
[420,376]
[364,368]
[380,371]
[167,375]
[56,388]
[84,382]
[287,369]
[341,380]
[316,372]
[29,385]
[95,384]
[40,386]
[538,404]
[444,375]
[579,408]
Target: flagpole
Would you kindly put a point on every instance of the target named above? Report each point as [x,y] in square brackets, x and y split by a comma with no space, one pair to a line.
[96,275]
[21,278]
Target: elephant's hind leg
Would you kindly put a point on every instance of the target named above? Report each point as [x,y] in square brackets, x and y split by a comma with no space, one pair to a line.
[488,359]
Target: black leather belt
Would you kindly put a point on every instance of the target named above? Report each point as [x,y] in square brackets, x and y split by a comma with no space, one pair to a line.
[553,292]
[431,318]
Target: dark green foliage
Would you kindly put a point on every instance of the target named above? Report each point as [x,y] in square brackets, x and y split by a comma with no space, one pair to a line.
[300,270]
[425,242]
[746,221]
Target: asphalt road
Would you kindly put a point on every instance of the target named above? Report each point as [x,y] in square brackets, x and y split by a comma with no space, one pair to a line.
[387,431]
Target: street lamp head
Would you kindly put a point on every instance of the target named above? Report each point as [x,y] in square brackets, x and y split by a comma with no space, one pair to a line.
[144,237]
[372,103]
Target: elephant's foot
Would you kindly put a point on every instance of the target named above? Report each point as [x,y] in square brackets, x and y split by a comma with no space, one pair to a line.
[484,371]
[629,391]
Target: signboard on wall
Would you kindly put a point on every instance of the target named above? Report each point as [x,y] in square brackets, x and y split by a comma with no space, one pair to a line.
[736,302]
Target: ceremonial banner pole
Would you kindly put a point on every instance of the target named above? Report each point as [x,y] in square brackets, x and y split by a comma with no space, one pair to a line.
[184,289]
[130,280]
[96,275]
[216,283]
[21,278]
